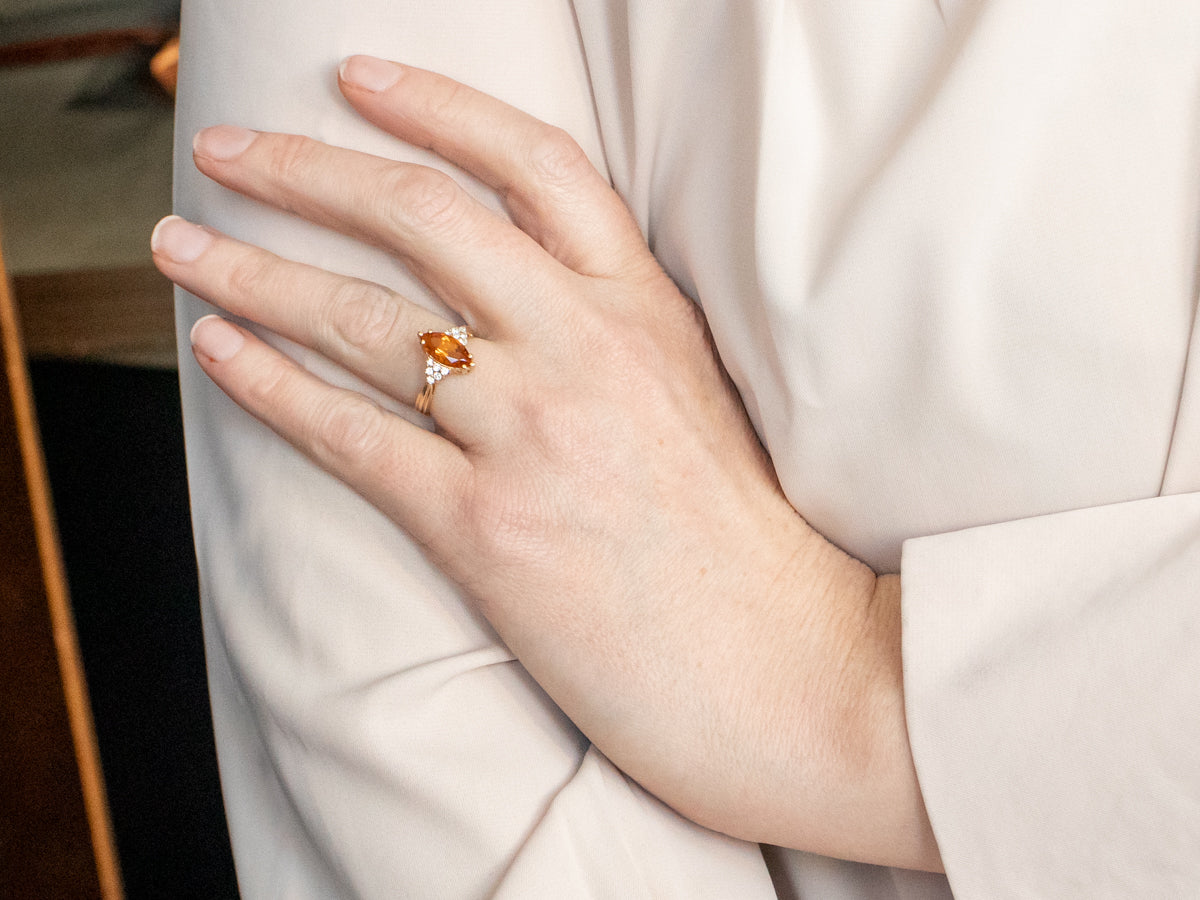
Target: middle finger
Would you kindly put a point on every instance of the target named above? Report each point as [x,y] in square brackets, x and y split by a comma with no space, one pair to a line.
[490,272]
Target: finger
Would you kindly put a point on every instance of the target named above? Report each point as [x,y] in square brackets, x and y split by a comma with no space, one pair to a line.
[413,476]
[552,190]
[362,326]
[495,276]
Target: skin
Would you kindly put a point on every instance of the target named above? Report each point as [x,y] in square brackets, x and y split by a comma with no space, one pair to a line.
[609,509]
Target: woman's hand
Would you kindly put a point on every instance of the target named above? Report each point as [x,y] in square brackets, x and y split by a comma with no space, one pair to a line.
[593,482]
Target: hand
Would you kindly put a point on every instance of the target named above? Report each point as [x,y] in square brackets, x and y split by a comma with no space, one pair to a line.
[593,482]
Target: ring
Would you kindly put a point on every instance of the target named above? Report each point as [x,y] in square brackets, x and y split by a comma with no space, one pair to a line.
[445,353]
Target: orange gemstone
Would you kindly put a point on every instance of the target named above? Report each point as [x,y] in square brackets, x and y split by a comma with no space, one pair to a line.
[446,349]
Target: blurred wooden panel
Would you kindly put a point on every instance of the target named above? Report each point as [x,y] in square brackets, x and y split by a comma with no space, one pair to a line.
[76,46]
[55,835]
[164,66]
[123,315]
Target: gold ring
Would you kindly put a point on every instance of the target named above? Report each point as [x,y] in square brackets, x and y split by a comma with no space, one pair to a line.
[445,353]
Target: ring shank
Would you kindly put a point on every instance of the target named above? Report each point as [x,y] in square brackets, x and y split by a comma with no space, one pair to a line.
[425,398]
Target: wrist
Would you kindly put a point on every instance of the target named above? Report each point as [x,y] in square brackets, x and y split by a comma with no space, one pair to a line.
[836,706]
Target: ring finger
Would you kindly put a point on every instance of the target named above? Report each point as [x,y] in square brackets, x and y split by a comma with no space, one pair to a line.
[364,327]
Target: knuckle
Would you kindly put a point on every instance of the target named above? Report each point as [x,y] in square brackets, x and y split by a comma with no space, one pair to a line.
[557,158]
[562,432]
[426,200]
[448,104]
[270,385]
[291,157]
[365,317]
[614,340]
[507,528]
[246,276]
[348,428]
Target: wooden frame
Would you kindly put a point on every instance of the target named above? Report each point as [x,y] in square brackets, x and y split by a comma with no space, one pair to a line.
[77,46]
[122,315]
[56,837]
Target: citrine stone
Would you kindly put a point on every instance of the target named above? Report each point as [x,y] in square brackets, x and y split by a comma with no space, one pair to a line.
[446,350]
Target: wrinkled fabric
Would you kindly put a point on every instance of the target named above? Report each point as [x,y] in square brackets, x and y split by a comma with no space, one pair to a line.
[948,253]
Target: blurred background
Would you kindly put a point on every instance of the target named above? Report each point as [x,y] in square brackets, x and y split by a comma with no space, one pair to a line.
[85,172]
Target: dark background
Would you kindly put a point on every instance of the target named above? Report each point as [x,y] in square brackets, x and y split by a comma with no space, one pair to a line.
[113,441]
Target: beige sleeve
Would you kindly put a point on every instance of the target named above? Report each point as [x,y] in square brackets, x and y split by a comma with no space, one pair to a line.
[1053,690]
[375,738]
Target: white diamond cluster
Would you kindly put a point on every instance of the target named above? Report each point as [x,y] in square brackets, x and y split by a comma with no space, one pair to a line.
[435,371]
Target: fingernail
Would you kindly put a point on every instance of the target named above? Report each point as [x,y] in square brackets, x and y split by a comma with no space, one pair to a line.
[215,338]
[179,240]
[369,73]
[223,142]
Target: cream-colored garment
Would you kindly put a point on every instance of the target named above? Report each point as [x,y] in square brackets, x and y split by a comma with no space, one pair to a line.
[948,252]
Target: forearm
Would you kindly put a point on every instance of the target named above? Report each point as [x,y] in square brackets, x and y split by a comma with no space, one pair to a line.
[834,774]
[795,735]
[762,699]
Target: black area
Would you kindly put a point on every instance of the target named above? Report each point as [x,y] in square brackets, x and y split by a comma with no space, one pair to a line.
[113,439]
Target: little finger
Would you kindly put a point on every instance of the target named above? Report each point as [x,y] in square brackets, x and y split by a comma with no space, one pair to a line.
[413,476]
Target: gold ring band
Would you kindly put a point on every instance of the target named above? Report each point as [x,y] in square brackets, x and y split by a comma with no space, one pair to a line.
[446,353]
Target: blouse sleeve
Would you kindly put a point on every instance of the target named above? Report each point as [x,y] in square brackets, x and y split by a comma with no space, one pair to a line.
[1053,691]
[375,737]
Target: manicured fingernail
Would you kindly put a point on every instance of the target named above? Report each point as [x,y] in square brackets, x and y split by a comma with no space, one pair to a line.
[223,142]
[369,73]
[215,338]
[179,240]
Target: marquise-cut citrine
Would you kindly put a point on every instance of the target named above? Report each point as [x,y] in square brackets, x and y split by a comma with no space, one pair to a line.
[446,349]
